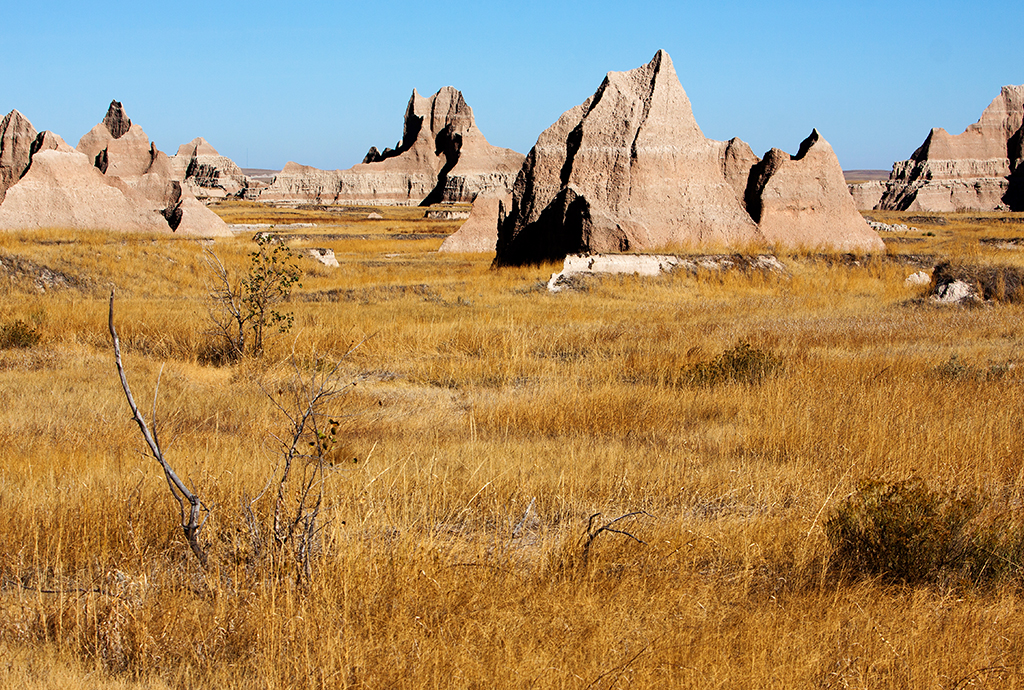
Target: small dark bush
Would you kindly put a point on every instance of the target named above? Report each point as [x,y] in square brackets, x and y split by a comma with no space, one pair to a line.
[906,532]
[18,334]
[742,364]
[955,369]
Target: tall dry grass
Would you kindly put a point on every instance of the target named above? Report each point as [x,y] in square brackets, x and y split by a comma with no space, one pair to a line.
[490,422]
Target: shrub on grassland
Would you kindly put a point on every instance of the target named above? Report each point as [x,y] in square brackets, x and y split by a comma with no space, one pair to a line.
[907,532]
[18,334]
[741,364]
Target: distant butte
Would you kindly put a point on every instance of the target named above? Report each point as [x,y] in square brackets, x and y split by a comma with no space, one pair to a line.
[116,179]
[442,157]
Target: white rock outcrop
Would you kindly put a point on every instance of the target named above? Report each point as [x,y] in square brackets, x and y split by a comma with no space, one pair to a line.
[576,265]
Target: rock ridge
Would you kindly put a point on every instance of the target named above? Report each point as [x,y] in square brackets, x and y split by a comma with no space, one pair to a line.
[115,179]
[979,169]
[442,157]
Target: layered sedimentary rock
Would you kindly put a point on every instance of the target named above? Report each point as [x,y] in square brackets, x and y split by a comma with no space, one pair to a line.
[16,137]
[442,157]
[206,173]
[867,195]
[115,179]
[977,170]
[630,170]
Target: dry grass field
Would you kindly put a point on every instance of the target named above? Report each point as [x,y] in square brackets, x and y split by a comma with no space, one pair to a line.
[489,437]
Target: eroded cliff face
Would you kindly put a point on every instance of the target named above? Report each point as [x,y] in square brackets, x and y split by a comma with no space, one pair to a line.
[442,157]
[630,170]
[977,170]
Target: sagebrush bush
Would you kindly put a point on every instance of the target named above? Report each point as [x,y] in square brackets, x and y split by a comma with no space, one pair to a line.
[742,364]
[907,532]
[18,334]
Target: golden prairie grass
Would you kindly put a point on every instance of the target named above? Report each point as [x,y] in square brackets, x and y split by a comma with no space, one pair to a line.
[490,421]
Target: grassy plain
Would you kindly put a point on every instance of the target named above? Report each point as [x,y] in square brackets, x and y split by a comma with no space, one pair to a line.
[485,423]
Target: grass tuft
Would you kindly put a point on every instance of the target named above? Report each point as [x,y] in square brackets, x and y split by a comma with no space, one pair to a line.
[18,334]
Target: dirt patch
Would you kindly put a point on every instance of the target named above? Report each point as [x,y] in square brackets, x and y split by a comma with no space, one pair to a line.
[42,278]
[1003,242]
[381,293]
[336,237]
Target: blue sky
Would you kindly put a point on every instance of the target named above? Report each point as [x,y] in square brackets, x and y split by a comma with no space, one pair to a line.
[321,82]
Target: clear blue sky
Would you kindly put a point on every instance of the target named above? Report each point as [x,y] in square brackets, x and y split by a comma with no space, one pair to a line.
[321,82]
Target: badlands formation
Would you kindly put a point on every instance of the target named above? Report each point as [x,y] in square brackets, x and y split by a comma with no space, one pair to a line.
[206,173]
[630,170]
[115,179]
[442,157]
[978,170]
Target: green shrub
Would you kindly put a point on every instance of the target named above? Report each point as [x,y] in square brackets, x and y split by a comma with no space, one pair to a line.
[18,334]
[908,533]
[742,364]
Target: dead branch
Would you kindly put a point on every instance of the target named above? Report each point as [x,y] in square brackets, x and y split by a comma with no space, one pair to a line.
[607,527]
[618,670]
[190,525]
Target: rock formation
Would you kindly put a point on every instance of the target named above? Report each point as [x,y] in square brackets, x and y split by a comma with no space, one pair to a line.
[66,190]
[16,137]
[442,157]
[803,201]
[978,170]
[866,195]
[115,179]
[206,173]
[630,170]
[118,147]
[480,231]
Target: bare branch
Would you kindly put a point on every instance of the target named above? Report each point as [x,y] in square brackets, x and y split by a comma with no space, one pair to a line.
[191,526]
[607,527]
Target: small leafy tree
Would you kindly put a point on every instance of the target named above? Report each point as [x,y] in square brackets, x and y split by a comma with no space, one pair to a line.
[242,310]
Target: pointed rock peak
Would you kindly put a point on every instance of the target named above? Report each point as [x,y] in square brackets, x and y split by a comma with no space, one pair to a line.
[197,147]
[116,120]
[19,120]
[659,69]
[449,109]
[662,63]
[48,141]
[807,143]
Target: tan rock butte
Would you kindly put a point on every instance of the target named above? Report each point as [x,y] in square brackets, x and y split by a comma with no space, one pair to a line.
[630,170]
[978,170]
